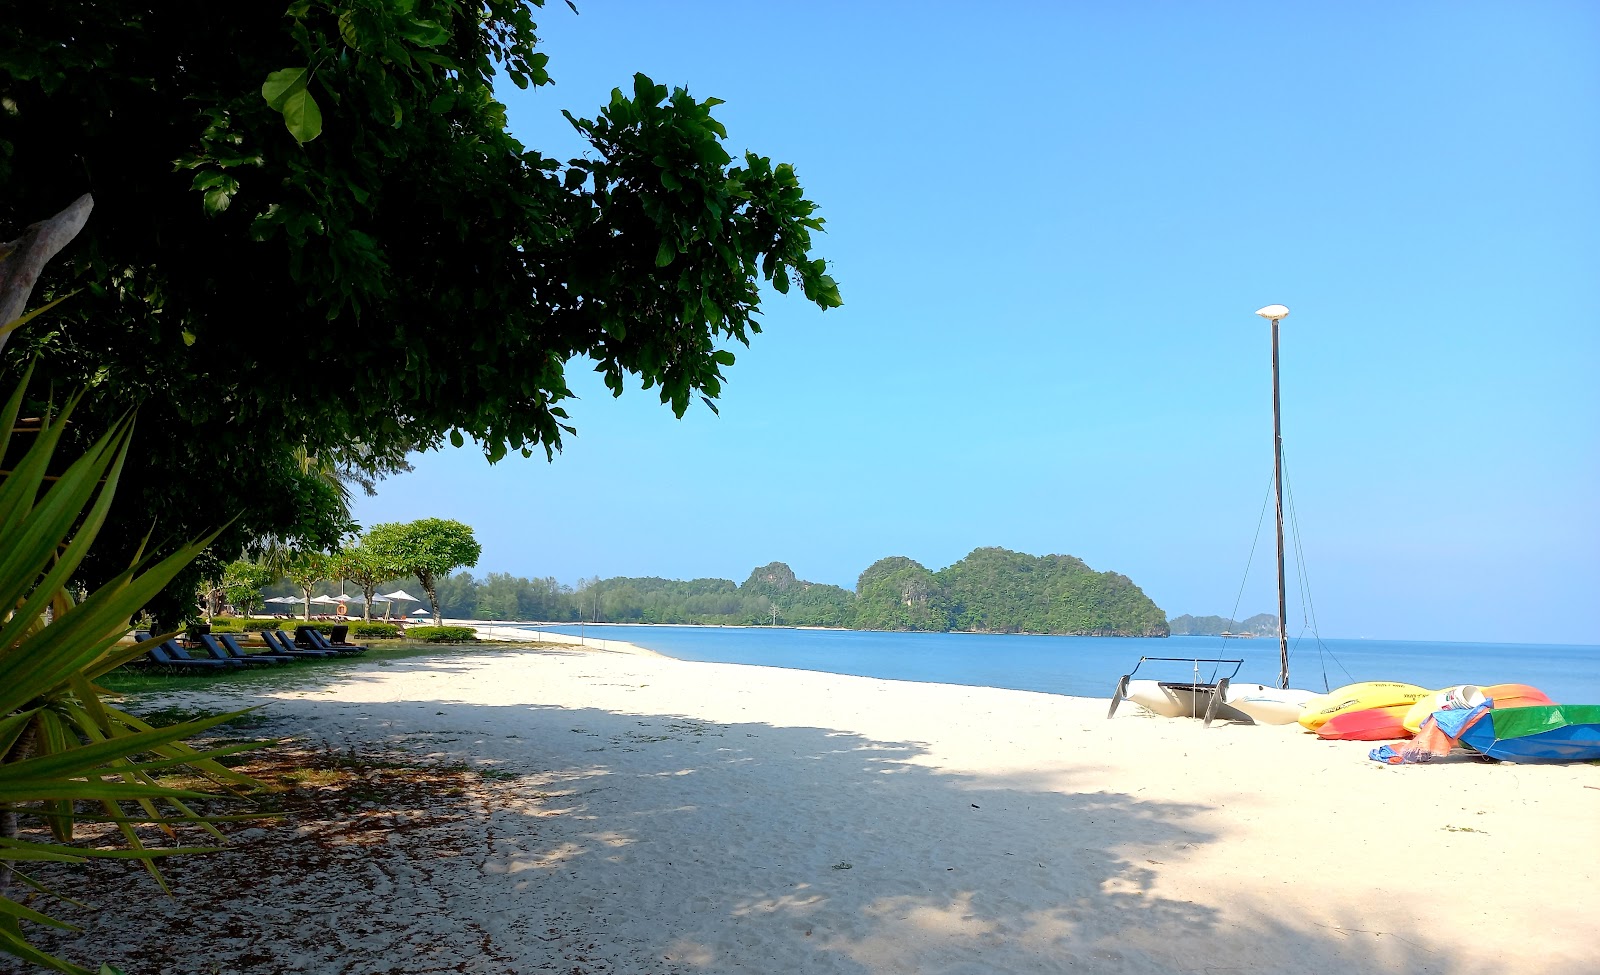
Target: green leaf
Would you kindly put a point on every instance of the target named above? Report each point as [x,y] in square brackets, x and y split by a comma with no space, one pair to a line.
[188,337]
[302,116]
[665,254]
[723,357]
[443,103]
[456,439]
[670,181]
[281,84]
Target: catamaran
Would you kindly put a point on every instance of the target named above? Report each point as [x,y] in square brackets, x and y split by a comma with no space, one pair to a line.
[1211,695]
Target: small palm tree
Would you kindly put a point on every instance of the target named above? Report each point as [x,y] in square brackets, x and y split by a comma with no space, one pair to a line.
[61,742]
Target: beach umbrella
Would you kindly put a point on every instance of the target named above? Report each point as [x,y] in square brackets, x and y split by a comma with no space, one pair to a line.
[420,612]
[324,598]
[399,594]
[283,599]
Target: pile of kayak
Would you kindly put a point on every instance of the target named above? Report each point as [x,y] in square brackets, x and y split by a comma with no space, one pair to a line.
[1512,722]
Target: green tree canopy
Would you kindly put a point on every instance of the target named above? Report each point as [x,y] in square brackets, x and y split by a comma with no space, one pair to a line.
[307,568]
[429,548]
[243,581]
[313,230]
[368,569]
[898,593]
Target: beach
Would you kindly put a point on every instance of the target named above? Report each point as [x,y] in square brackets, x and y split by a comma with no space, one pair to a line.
[618,811]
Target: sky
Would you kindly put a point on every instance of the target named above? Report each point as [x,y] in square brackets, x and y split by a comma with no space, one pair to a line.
[1051,224]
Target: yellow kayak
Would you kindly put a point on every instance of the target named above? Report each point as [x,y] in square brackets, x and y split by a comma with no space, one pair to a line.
[1459,696]
[1359,697]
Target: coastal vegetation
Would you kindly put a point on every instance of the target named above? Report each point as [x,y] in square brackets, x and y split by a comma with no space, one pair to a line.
[991,590]
[67,753]
[335,183]
[1261,624]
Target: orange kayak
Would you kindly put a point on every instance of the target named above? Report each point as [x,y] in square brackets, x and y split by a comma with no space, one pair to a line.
[1373,724]
[1516,696]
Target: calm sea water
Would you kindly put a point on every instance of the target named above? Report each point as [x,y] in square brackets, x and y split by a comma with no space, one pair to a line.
[1090,666]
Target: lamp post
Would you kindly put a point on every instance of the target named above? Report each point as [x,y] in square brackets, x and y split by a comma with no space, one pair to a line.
[1275,314]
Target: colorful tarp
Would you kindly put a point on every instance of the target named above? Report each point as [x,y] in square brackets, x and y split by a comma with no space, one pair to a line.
[1557,732]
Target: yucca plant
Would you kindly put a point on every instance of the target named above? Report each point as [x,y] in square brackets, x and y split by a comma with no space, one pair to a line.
[66,754]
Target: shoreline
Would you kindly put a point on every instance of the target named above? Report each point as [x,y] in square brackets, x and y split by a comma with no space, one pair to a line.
[639,813]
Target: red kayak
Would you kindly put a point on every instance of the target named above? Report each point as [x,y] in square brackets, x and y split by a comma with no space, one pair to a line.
[1373,724]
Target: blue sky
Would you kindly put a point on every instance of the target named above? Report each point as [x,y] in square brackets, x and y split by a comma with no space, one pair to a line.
[1051,224]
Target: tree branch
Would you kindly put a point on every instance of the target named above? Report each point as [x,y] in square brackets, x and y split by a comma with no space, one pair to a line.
[22,260]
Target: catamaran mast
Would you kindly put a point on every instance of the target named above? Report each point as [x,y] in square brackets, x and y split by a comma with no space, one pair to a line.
[1276,313]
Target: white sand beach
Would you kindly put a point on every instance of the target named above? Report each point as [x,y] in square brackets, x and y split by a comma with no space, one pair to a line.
[645,815]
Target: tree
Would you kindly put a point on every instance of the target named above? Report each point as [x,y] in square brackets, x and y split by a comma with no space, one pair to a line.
[429,549]
[242,583]
[336,184]
[306,569]
[367,569]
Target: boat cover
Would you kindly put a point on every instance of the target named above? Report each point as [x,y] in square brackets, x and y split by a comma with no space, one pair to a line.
[1556,732]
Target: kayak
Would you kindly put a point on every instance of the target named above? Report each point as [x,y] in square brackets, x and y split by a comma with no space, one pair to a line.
[1462,696]
[1359,697]
[1516,696]
[1372,724]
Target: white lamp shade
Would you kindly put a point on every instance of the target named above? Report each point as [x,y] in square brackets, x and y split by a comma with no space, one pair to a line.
[1273,311]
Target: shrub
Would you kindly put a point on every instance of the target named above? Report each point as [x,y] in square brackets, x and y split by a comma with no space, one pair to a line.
[371,631]
[256,626]
[227,624]
[65,753]
[442,634]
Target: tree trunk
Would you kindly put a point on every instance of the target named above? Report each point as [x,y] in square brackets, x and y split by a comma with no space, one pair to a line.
[21,751]
[22,260]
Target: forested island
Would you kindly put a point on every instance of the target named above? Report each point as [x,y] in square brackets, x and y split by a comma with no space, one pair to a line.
[992,590]
[1261,624]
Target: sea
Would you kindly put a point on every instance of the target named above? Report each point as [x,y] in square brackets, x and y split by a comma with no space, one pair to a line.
[1090,666]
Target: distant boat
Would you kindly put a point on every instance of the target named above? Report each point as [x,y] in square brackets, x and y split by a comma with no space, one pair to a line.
[1238,636]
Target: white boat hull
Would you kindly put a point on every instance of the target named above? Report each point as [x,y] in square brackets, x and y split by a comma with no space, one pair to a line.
[1268,705]
[1171,700]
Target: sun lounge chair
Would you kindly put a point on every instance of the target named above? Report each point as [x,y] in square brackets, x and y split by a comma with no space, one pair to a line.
[285,640]
[312,638]
[158,656]
[219,652]
[278,642]
[337,638]
[273,649]
[173,657]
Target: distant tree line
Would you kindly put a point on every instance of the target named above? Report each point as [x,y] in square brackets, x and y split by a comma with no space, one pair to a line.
[1261,624]
[991,590]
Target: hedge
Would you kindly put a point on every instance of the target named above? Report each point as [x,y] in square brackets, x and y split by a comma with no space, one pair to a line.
[370,631]
[441,634]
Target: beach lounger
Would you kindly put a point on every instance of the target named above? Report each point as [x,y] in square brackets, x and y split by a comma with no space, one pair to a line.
[284,640]
[278,642]
[158,657]
[173,657]
[337,638]
[219,652]
[231,642]
[311,638]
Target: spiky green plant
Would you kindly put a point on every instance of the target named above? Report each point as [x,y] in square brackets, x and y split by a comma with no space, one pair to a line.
[66,754]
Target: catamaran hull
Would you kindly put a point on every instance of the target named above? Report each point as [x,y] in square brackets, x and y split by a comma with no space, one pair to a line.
[1179,700]
[1268,705]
